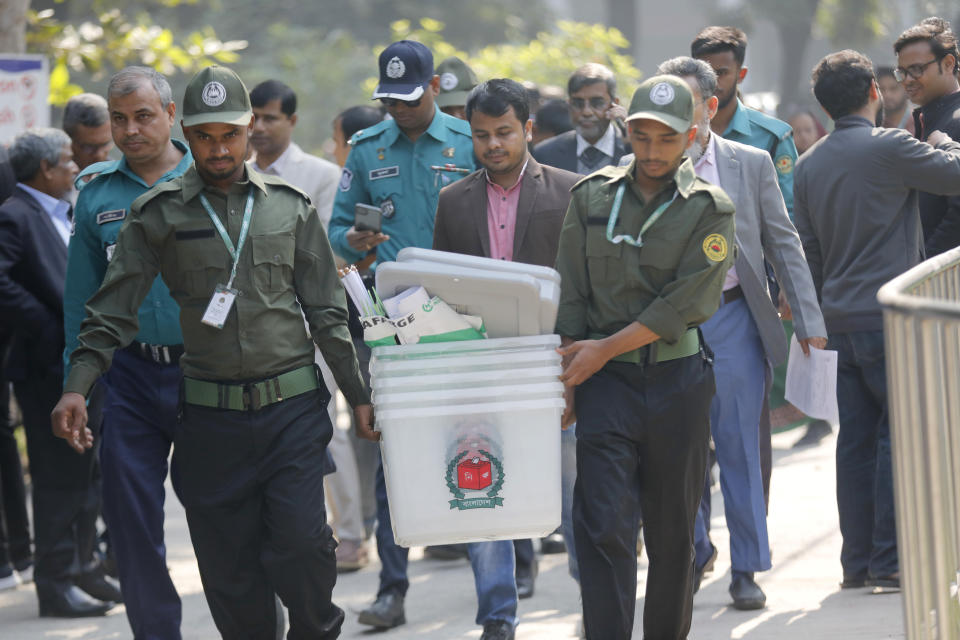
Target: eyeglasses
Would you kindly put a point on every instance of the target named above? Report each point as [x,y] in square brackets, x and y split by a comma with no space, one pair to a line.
[914,70]
[392,102]
[596,103]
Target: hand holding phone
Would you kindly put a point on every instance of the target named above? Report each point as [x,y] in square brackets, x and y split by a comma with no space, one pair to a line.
[367,218]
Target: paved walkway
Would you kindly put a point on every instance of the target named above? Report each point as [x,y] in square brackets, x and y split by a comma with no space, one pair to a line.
[803,599]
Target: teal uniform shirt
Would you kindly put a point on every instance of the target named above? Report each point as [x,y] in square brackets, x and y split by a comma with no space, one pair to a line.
[387,170]
[102,208]
[774,136]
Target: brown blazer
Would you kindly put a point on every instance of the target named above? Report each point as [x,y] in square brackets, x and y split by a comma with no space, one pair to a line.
[461,221]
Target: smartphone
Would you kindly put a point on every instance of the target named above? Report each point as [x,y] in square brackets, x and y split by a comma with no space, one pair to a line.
[366,217]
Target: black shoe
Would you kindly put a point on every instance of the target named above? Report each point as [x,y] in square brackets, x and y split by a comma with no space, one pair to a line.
[100,586]
[553,543]
[497,630]
[817,430]
[69,601]
[446,552]
[747,594]
[857,581]
[385,613]
[699,572]
[526,576]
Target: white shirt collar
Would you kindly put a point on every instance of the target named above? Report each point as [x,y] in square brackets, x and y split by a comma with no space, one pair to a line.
[55,208]
[606,143]
[277,166]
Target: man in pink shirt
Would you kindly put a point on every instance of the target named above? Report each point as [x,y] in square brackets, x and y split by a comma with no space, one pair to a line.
[510,209]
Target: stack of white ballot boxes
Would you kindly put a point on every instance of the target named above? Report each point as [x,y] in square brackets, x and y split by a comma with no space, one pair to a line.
[471,430]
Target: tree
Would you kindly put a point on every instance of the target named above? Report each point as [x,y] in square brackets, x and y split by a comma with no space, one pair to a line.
[110,40]
[13,25]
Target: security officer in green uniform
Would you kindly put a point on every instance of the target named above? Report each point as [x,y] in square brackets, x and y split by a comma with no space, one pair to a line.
[643,254]
[400,165]
[724,49]
[246,258]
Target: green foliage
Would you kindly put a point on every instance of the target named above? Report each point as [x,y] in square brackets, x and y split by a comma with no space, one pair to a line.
[114,41]
[852,23]
[548,59]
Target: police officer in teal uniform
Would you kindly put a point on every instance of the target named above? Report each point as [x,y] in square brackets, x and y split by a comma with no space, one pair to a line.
[725,49]
[142,386]
[400,165]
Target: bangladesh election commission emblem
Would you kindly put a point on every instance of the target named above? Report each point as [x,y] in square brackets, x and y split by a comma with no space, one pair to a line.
[474,471]
[715,247]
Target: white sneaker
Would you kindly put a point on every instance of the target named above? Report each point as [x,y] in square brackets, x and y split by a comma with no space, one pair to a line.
[26,576]
[11,581]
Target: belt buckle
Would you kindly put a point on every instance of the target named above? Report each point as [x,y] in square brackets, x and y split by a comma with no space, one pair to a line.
[251,397]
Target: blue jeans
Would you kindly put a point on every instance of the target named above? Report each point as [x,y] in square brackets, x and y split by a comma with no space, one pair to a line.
[493,565]
[864,468]
[568,478]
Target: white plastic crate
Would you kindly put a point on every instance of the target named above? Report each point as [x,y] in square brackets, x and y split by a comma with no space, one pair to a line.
[472,472]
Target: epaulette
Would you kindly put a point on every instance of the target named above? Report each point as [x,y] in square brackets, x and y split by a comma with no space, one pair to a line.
[775,126]
[277,181]
[460,126]
[155,190]
[95,170]
[721,200]
[369,132]
[609,172]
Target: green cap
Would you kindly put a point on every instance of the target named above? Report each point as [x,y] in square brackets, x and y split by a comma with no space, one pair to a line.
[216,94]
[666,99]
[456,81]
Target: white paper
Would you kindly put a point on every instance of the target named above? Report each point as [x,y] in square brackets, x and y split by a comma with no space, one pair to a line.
[811,384]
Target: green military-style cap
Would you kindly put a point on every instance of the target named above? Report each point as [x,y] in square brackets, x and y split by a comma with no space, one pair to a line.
[456,81]
[216,94]
[666,99]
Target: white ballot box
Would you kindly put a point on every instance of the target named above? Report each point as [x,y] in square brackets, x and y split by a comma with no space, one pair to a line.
[470,438]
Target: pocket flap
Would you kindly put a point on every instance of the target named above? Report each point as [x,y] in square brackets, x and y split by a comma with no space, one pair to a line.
[274,249]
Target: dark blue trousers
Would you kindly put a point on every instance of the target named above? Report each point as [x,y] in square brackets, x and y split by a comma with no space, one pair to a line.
[139,417]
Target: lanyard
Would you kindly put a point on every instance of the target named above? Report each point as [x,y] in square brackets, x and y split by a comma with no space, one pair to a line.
[615,214]
[244,227]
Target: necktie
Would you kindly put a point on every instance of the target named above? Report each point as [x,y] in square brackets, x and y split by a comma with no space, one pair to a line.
[592,158]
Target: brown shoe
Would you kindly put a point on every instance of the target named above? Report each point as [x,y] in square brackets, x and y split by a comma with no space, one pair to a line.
[351,556]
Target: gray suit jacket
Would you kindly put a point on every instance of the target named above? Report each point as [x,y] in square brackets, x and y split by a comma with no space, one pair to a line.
[461,222]
[764,230]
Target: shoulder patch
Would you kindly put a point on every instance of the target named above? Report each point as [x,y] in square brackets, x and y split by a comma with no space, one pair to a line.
[111,216]
[784,164]
[715,247]
[346,179]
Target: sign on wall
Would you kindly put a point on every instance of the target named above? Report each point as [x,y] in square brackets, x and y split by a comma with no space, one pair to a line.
[24,87]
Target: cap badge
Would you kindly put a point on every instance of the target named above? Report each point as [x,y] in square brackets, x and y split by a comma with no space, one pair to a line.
[396,68]
[214,94]
[448,81]
[662,93]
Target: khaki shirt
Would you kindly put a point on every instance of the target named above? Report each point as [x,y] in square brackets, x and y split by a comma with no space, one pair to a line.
[670,284]
[285,265]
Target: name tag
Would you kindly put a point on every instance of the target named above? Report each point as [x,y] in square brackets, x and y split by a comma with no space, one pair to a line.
[385,172]
[219,307]
[111,216]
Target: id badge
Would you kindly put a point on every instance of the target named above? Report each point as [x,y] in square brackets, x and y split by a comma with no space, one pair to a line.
[219,307]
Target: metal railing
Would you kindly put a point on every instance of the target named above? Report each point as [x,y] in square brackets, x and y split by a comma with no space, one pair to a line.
[921,310]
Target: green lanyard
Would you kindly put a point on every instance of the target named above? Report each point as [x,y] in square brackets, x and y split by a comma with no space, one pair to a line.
[615,214]
[244,227]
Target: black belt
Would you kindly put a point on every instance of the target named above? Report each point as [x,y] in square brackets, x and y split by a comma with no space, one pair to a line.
[158,353]
[732,294]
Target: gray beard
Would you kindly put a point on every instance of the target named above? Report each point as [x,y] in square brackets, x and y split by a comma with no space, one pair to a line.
[698,148]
